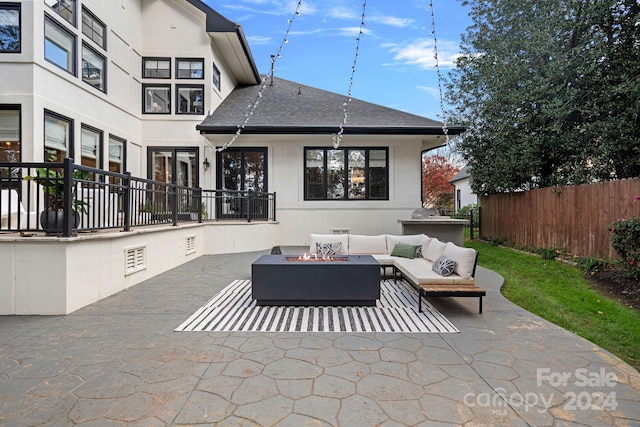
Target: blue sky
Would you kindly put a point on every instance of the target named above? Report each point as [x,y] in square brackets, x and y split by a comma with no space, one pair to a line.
[395,67]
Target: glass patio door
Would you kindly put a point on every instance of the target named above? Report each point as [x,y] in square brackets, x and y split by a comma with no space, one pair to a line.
[172,165]
[240,171]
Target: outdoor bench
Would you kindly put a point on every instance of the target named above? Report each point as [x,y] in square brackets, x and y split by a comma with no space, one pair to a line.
[415,266]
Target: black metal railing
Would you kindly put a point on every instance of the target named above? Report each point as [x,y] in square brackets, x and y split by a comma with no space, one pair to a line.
[66,198]
[472,229]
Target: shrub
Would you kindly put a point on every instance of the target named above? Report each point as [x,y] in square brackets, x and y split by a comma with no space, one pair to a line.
[592,265]
[547,253]
[625,239]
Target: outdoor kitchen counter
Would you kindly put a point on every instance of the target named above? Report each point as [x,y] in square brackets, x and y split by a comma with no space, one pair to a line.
[444,228]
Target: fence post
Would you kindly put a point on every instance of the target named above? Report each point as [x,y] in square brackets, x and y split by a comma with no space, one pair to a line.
[126,201]
[198,195]
[249,204]
[67,207]
[471,223]
[274,205]
[174,203]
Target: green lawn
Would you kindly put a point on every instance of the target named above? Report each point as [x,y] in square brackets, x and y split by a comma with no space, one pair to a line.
[557,292]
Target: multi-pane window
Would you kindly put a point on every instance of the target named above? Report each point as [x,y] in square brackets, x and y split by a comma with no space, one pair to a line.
[156,68]
[9,134]
[57,137]
[93,28]
[59,46]
[216,76]
[189,68]
[91,141]
[9,28]
[346,174]
[156,99]
[189,99]
[65,8]
[93,68]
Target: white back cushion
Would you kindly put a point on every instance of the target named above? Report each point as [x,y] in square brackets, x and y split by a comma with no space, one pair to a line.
[409,239]
[465,259]
[434,250]
[360,244]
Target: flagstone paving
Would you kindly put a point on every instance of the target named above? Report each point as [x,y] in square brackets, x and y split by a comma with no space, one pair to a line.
[118,362]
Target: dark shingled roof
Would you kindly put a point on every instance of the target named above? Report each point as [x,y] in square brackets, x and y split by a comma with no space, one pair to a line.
[462,174]
[292,108]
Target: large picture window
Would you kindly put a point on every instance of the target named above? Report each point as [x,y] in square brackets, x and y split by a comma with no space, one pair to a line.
[59,46]
[189,99]
[58,137]
[156,99]
[346,174]
[9,28]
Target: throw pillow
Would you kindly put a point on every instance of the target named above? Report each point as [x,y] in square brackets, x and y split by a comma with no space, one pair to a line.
[404,251]
[328,249]
[444,266]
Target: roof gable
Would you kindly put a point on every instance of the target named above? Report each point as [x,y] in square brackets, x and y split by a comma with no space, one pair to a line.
[290,107]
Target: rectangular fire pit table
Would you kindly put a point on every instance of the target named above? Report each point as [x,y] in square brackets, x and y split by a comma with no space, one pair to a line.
[285,280]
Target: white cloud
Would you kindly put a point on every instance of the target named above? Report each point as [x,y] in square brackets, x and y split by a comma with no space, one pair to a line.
[259,40]
[391,20]
[421,53]
[434,92]
[342,12]
[352,31]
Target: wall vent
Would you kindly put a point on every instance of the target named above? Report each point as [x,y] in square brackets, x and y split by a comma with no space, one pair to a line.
[135,259]
[191,245]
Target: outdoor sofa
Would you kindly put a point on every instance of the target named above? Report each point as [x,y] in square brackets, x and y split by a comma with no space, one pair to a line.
[434,268]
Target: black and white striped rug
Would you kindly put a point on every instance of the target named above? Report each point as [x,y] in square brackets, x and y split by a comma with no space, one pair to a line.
[233,309]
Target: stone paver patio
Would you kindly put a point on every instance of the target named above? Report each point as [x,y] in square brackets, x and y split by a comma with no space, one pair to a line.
[118,362]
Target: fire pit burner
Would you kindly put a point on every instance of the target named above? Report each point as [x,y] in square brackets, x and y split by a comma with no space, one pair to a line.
[311,258]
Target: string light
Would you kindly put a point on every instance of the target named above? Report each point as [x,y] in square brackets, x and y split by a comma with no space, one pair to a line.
[337,137]
[252,107]
[445,130]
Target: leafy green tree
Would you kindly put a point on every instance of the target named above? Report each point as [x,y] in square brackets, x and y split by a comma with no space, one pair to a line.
[549,92]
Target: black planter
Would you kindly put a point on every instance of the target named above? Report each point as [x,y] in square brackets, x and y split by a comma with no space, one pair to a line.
[52,222]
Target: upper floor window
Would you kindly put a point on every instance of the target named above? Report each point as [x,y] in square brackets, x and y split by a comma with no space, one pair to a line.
[93,28]
[156,68]
[9,134]
[189,99]
[93,68]
[216,76]
[58,138]
[9,28]
[59,46]
[346,174]
[189,68]
[156,99]
[65,8]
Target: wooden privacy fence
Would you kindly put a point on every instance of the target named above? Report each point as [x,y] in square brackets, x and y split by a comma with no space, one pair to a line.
[573,218]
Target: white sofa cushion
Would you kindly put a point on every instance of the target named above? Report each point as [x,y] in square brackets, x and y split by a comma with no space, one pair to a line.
[343,239]
[465,259]
[410,239]
[420,272]
[360,244]
[434,251]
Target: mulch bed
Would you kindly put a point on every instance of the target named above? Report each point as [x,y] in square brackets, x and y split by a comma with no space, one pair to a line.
[618,286]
